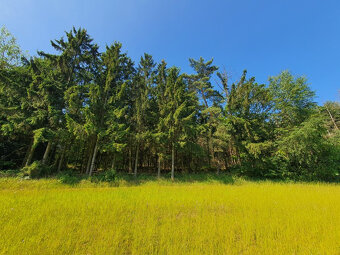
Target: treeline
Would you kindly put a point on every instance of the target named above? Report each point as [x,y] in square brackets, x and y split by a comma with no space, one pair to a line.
[90,111]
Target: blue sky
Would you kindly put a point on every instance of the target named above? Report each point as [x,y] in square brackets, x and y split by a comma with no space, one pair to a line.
[262,36]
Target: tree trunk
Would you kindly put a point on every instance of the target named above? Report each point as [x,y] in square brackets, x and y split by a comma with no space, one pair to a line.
[61,160]
[136,162]
[173,162]
[130,160]
[159,167]
[113,162]
[47,152]
[28,152]
[88,165]
[94,157]
[82,158]
[335,125]
[211,149]
[208,147]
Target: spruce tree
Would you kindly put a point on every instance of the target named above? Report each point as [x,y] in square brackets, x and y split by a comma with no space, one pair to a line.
[180,111]
[210,102]
[142,89]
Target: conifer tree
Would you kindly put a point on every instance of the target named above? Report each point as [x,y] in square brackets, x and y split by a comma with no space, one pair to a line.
[160,134]
[180,112]
[15,109]
[143,83]
[88,110]
[77,67]
[211,100]
[246,121]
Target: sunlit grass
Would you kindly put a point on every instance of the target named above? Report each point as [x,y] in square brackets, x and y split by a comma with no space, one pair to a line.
[47,217]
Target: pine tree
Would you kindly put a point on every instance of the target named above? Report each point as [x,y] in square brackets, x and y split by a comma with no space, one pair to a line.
[211,102]
[246,121]
[143,83]
[180,111]
[117,75]
[77,67]
[16,111]
[14,107]
[160,134]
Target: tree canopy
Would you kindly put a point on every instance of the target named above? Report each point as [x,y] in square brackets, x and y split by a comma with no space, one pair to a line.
[87,111]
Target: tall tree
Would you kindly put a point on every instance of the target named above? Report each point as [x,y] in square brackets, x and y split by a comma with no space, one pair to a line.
[15,108]
[160,134]
[210,99]
[10,52]
[143,83]
[180,111]
[292,98]
[245,128]
[77,67]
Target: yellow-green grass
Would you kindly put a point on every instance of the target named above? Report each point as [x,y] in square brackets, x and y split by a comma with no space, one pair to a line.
[46,217]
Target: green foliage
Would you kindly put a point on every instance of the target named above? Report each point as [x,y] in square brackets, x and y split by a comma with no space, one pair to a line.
[110,175]
[87,110]
[292,99]
[68,177]
[36,170]
[306,152]
[106,176]
[10,52]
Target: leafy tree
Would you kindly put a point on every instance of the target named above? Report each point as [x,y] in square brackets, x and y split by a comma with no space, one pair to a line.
[331,111]
[245,128]
[293,99]
[89,110]
[305,153]
[10,52]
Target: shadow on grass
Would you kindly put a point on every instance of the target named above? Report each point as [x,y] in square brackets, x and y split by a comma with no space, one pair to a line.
[70,179]
[180,178]
[124,179]
[121,179]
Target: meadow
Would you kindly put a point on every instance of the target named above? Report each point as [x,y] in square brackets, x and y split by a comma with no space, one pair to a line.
[162,217]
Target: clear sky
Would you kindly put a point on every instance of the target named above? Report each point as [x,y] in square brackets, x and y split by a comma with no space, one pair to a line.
[262,36]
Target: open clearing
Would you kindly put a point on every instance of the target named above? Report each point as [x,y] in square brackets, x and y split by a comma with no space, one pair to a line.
[46,217]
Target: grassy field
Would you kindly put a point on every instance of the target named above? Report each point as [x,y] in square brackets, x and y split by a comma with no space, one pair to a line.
[160,217]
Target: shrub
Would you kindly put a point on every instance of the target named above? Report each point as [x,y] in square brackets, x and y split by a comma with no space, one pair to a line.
[107,176]
[9,173]
[36,170]
[68,177]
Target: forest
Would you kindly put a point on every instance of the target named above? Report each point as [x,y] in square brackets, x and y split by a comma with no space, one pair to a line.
[84,111]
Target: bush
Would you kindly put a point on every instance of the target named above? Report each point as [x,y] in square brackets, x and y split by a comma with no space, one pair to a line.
[110,175]
[68,178]
[9,173]
[5,165]
[306,153]
[107,176]
[36,170]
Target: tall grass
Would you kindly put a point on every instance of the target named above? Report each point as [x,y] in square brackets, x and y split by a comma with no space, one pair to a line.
[47,217]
